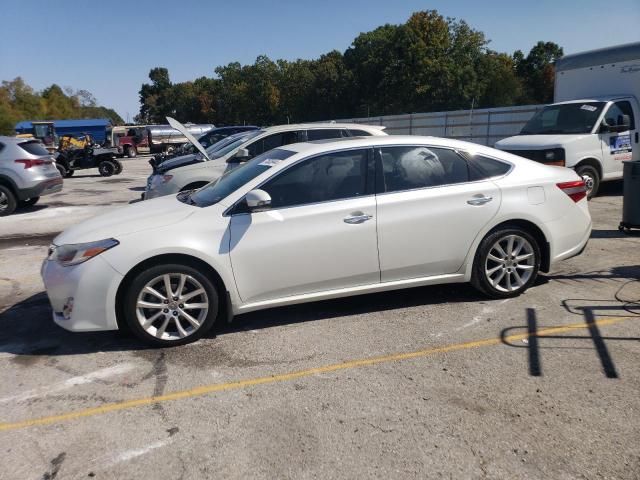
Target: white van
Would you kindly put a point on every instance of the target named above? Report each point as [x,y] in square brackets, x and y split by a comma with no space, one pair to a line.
[593,126]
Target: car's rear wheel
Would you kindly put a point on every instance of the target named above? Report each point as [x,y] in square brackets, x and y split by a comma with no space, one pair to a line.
[507,263]
[169,305]
[131,152]
[118,165]
[8,202]
[107,168]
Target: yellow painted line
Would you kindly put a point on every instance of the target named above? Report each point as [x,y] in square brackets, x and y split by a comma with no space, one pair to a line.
[220,387]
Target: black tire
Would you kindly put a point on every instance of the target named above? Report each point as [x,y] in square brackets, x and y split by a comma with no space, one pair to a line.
[107,168]
[480,277]
[591,179]
[118,166]
[8,201]
[29,202]
[152,274]
[62,169]
[132,152]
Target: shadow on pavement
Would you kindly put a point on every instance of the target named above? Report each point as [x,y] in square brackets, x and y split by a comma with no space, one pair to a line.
[26,328]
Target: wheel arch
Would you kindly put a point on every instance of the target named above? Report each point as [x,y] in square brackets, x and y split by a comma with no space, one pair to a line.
[536,232]
[592,162]
[9,183]
[224,309]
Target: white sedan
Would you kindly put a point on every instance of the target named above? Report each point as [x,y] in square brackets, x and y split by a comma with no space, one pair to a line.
[317,220]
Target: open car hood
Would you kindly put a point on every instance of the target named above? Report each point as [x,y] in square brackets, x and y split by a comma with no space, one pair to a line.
[183,130]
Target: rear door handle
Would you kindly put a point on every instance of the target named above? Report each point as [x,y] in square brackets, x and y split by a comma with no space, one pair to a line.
[478,200]
[357,217]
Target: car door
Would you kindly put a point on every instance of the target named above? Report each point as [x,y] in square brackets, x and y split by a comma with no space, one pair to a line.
[430,209]
[318,235]
[618,146]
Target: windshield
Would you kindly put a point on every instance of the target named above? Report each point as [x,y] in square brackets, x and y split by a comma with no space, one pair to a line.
[234,179]
[567,118]
[230,143]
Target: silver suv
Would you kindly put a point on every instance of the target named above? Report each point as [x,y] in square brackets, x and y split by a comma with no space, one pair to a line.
[27,172]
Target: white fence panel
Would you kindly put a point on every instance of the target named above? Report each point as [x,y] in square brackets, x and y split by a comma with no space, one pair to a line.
[485,126]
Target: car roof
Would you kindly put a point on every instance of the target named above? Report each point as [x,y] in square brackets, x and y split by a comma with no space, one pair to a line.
[320,146]
[314,126]
[16,140]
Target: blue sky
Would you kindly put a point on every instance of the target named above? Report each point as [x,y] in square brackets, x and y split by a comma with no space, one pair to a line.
[109,47]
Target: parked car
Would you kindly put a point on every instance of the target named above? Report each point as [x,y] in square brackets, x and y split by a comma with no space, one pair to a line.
[313,221]
[207,140]
[27,172]
[592,127]
[182,173]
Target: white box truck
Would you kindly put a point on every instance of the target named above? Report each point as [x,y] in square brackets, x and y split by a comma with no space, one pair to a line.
[593,124]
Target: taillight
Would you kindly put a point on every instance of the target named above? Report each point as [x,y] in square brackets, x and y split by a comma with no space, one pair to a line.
[28,163]
[576,190]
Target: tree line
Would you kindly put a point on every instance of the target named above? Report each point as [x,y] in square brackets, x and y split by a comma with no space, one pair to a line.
[429,63]
[18,101]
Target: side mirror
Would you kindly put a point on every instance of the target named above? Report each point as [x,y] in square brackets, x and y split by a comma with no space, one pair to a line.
[624,122]
[258,200]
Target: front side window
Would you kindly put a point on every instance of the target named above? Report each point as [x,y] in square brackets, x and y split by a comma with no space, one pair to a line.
[408,168]
[566,118]
[232,180]
[334,176]
[613,116]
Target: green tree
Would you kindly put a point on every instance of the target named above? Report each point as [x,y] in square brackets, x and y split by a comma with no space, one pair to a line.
[537,71]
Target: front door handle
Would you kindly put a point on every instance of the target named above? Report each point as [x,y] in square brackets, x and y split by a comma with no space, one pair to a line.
[478,200]
[357,217]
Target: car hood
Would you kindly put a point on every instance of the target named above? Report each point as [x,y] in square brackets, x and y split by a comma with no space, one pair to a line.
[179,162]
[538,142]
[123,221]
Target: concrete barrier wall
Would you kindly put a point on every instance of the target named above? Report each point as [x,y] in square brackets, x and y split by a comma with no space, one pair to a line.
[485,126]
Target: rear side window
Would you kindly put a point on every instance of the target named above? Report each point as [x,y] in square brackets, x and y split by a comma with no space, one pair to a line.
[34,148]
[272,141]
[334,176]
[488,167]
[359,133]
[408,168]
[323,134]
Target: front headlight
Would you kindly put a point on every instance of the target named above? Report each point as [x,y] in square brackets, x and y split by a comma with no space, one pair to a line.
[73,254]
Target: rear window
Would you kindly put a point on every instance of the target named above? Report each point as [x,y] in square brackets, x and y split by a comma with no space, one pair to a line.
[323,134]
[490,167]
[34,148]
[359,133]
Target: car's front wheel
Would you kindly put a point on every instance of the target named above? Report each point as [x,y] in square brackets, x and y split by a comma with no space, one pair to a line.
[169,305]
[506,263]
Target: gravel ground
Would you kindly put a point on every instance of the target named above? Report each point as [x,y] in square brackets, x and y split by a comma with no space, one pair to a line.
[293,392]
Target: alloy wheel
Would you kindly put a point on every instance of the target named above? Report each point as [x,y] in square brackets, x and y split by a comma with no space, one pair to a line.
[510,263]
[172,306]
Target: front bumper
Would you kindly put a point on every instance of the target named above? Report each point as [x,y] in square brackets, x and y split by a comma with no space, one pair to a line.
[82,296]
[156,187]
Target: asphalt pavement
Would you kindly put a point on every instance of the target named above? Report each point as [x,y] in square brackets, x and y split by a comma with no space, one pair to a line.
[432,382]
